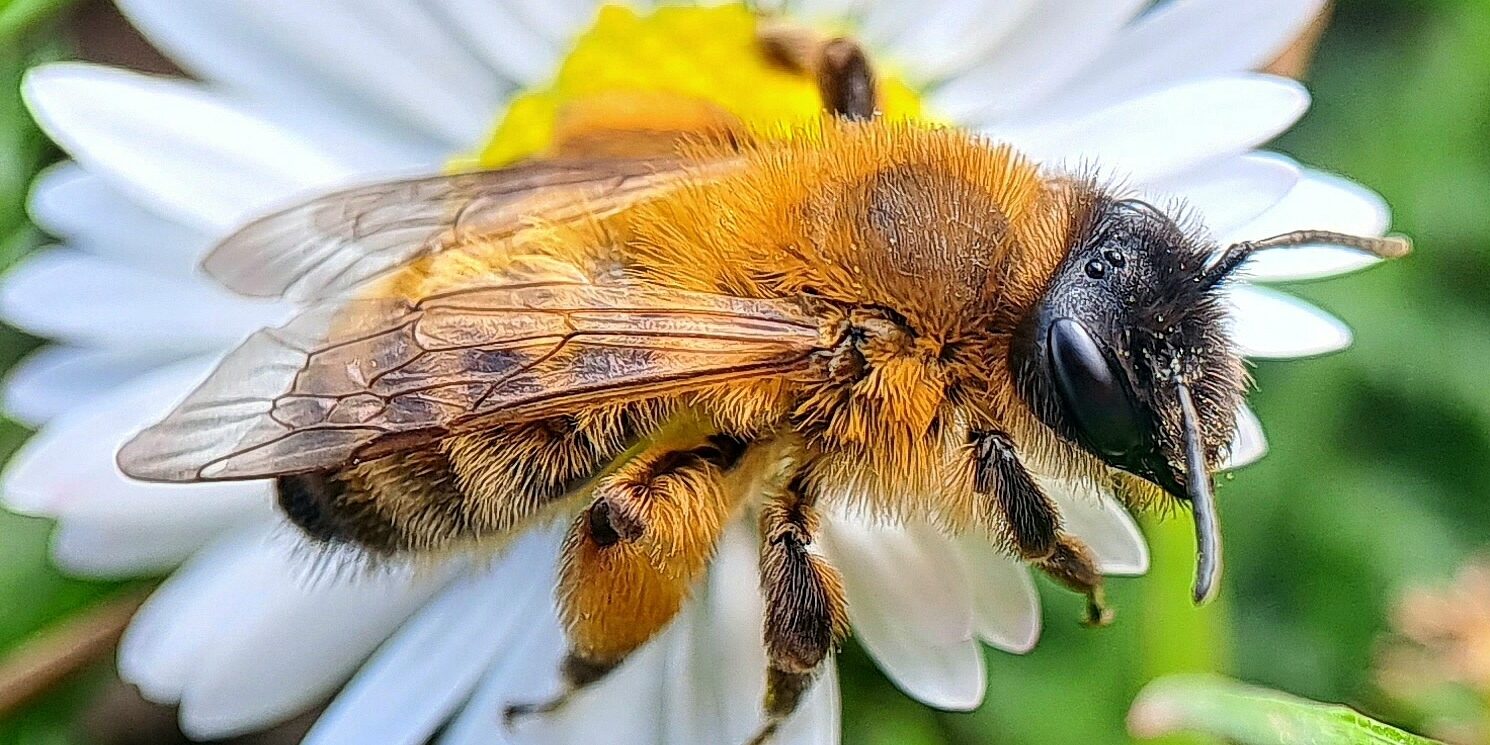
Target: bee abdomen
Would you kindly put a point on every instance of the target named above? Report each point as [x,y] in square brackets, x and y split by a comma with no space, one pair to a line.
[310,501]
[470,487]
[405,502]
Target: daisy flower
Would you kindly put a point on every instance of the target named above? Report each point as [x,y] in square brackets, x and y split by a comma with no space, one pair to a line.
[294,98]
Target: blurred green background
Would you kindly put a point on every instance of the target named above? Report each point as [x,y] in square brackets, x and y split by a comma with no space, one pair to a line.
[1376,479]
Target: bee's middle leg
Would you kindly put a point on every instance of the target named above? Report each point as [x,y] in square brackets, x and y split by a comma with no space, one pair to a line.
[630,559]
[1033,523]
[806,614]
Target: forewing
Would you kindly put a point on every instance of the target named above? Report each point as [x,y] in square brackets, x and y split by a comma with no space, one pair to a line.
[331,245]
[374,377]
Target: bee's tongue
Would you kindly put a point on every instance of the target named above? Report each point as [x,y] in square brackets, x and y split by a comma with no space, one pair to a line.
[1202,501]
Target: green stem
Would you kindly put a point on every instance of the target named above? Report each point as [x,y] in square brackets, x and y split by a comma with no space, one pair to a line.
[1176,636]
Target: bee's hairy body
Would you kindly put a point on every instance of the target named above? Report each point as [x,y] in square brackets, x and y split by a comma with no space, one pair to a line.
[919,251]
[913,253]
[870,317]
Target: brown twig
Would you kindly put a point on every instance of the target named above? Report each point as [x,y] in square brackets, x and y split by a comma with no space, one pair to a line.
[1294,61]
[42,662]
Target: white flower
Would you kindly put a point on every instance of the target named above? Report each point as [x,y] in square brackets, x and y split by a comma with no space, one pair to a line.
[300,95]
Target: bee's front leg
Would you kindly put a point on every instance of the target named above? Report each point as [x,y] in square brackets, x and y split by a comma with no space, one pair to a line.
[806,614]
[1030,520]
[631,558]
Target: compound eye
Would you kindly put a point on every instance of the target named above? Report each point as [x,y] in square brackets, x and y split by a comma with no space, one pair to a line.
[1091,391]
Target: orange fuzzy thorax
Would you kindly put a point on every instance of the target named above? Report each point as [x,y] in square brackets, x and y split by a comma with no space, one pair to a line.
[931,222]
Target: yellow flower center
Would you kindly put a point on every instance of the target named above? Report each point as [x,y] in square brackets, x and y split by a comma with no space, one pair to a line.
[711,56]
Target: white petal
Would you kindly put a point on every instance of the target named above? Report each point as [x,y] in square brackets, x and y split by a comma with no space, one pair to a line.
[1266,323]
[173,145]
[190,610]
[882,22]
[829,11]
[385,56]
[54,379]
[911,609]
[225,42]
[90,301]
[905,577]
[113,551]
[1189,39]
[1320,201]
[1232,192]
[431,665]
[726,659]
[1249,445]
[819,719]
[1046,48]
[1170,130]
[1106,527]
[67,470]
[716,671]
[379,148]
[526,671]
[943,37]
[950,677]
[294,642]
[624,708]
[1006,606]
[219,42]
[68,201]
[690,693]
[254,639]
[496,33]
[559,20]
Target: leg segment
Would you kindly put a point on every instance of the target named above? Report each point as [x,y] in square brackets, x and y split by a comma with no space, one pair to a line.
[806,612]
[1031,523]
[845,79]
[630,559]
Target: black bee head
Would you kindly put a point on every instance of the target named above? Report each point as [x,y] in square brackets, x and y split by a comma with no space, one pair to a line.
[1128,353]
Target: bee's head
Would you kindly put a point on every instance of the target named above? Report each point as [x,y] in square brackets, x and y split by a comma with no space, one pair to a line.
[1128,354]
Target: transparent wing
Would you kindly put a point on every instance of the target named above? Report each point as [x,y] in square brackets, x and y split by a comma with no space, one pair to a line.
[336,243]
[350,381]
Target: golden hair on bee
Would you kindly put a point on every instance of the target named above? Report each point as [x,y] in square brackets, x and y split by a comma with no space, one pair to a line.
[900,320]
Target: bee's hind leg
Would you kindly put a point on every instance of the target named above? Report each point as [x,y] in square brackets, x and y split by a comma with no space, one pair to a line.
[1032,523]
[576,674]
[806,613]
[630,559]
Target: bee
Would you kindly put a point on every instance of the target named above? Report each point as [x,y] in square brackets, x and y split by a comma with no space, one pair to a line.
[651,339]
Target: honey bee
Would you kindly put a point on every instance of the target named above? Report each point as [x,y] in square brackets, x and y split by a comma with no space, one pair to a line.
[649,339]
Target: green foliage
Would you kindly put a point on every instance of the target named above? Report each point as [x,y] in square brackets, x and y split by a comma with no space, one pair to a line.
[1378,472]
[33,592]
[18,17]
[1249,715]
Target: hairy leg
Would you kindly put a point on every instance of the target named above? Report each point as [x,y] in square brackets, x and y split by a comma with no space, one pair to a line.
[806,614]
[630,560]
[1029,519]
[845,79]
